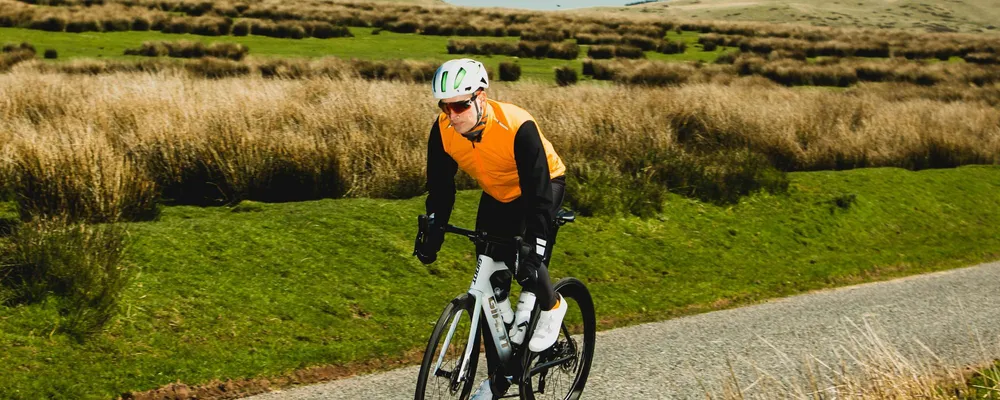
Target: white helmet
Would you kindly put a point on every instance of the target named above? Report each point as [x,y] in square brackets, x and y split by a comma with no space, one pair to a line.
[459,77]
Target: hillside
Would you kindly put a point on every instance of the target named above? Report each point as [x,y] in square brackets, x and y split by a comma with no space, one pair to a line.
[942,16]
[950,15]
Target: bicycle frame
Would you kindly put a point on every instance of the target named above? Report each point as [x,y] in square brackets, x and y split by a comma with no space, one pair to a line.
[486,307]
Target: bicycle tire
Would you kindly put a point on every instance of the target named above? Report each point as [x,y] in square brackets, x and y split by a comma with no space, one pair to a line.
[455,389]
[580,341]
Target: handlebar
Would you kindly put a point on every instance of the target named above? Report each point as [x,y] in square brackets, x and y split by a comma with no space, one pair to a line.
[484,238]
[423,221]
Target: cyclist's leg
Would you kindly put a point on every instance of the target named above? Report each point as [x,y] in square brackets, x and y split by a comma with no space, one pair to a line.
[541,284]
[492,218]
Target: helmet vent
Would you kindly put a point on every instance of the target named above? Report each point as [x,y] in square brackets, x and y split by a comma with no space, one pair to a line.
[459,77]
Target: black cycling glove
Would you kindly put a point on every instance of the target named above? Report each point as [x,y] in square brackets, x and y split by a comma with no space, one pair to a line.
[430,236]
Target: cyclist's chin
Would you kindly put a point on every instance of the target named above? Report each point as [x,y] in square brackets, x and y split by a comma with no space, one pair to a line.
[462,127]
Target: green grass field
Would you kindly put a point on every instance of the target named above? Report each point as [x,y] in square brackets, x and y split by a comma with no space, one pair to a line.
[260,290]
[364,45]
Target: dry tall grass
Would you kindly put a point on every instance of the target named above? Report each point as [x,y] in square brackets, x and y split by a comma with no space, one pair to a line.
[867,366]
[272,139]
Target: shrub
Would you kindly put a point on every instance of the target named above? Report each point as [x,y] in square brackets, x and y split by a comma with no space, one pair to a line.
[141,24]
[566,75]
[262,28]
[510,71]
[232,51]
[50,24]
[411,27]
[564,51]
[728,57]
[177,26]
[51,54]
[193,8]
[533,49]
[23,46]
[241,28]
[325,30]
[642,42]
[671,47]
[601,52]
[650,31]
[10,58]
[710,46]
[609,38]
[399,70]
[290,30]
[207,26]
[982,58]
[628,52]
[291,69]
[116,25]
[81,264]
[214,68]
[588,66]
[547,35]
[484,48]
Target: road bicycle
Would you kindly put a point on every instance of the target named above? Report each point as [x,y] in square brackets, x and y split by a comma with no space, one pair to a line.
[472,323]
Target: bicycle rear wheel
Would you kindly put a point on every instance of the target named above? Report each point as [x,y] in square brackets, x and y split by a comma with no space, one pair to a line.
[561,371]
[442,375]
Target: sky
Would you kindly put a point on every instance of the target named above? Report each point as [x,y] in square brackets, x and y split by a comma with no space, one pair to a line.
[540,4]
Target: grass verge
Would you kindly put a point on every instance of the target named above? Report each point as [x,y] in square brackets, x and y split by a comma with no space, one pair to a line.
[260,290]
[364,45]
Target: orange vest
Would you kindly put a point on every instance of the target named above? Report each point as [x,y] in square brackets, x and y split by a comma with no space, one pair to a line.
[491,161]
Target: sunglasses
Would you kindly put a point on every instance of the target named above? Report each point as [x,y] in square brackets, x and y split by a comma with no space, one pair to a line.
[457,107]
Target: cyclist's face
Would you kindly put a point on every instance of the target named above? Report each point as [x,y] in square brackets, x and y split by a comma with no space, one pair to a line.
[461,110]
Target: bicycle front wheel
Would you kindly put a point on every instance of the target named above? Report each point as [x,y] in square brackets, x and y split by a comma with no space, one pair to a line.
[446,372]
[561,371]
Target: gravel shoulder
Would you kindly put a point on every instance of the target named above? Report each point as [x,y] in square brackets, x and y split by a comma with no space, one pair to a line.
[952,313]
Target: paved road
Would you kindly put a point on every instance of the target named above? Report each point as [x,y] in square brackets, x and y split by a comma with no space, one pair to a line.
[954,313]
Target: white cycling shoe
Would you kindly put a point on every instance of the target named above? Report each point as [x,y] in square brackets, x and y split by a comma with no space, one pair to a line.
[547,329]
[524,305]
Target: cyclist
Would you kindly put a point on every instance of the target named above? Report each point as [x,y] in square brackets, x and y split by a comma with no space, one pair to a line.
[523,181]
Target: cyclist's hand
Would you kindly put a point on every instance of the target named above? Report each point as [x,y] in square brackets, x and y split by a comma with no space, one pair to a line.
[528,263]
[430,236]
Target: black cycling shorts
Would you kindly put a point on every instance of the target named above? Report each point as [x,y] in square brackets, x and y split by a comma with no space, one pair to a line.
[507,220]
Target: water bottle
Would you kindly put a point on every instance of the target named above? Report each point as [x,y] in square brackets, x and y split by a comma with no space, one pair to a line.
[501,293]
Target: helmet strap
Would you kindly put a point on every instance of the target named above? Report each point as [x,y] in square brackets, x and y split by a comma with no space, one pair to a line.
[476,133]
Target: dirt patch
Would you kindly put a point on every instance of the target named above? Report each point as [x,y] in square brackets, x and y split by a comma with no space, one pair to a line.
[234,389]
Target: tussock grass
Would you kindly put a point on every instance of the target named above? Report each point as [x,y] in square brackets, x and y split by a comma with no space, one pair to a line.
[13,54]
[509,71]
[80,265]
[188,49]
[67,171]
[537,49]
[252,138]
[209,67]
[272,17]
